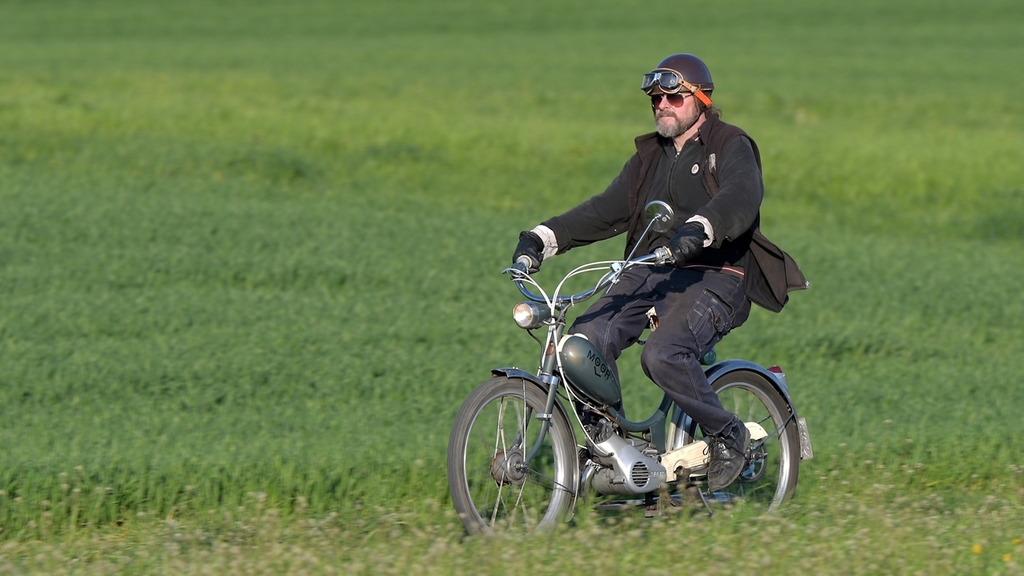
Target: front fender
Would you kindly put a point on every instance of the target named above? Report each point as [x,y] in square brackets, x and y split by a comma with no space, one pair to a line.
[513,372]
[724,367]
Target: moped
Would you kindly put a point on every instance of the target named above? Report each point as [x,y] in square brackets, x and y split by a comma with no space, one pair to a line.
[526,447]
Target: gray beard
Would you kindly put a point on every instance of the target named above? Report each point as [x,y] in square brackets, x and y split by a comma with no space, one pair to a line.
[670,132]
[673,128]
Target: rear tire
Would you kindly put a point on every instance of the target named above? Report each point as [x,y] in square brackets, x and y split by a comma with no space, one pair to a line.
[491,484]
[771,474]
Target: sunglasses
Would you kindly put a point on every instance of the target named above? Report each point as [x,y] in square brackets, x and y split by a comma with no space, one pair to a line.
[674,100]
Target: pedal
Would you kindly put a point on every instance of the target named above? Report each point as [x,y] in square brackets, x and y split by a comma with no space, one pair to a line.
[650,506]
[689,493]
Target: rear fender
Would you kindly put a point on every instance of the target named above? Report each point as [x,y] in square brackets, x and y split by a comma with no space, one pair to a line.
[720,369]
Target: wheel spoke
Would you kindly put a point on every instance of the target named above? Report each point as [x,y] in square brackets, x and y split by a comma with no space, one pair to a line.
[494,487]
[771,471]
[499,436]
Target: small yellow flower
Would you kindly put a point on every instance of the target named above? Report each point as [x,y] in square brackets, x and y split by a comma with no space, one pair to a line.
[1006,557]
[1017,541]
[976,548]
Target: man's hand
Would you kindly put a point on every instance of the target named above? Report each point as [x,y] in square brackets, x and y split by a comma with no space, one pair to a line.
[687,243]
[530,245]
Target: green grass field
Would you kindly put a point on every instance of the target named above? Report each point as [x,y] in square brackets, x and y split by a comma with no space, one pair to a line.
[249,261]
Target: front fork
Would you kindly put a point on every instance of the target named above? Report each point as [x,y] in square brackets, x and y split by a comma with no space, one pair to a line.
[545,382]
[546,378]
[545,418]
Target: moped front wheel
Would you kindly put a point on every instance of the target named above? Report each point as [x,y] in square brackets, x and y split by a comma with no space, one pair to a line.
[499,476]
[770,475]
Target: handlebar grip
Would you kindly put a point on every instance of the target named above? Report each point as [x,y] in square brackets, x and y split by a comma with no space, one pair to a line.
[662,255]
[524,263]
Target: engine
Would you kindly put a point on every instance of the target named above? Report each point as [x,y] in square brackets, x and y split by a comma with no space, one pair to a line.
[626,469]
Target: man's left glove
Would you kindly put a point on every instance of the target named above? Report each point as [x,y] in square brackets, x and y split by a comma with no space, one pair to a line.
[687,243]
[530,245]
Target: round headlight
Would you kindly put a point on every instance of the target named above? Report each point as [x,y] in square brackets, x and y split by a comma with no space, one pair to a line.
[530,315]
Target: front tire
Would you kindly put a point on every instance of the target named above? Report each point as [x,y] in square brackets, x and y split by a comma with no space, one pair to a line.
[492,485]
[770,476]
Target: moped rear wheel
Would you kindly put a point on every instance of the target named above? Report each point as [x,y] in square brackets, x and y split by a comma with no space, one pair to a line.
[492,485]
[772,469]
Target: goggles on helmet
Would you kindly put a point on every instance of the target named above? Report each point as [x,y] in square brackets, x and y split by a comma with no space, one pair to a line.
[671,82]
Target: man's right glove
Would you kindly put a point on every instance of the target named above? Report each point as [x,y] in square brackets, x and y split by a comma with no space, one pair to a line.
[530,245]
[687,243]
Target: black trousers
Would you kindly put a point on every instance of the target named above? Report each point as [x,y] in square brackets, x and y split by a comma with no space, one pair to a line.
[696,308]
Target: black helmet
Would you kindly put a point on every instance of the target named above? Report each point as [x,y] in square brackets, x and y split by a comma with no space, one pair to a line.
[680,72]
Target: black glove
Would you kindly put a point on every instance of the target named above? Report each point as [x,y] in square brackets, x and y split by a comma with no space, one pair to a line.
[530,245]
[687,243]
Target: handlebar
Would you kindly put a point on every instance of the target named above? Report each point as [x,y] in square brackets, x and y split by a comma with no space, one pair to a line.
[519,271]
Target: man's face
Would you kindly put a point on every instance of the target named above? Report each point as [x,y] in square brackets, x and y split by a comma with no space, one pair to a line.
[672,121]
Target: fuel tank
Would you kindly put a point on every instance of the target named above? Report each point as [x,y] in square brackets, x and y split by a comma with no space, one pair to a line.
[586,369]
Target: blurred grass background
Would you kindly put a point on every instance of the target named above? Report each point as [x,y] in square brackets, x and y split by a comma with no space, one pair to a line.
[253,247]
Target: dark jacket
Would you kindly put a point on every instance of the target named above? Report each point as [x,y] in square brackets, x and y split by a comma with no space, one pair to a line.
[733,213]
[730,201]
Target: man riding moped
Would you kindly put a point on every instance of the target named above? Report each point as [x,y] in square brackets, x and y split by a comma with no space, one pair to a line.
[709,172]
